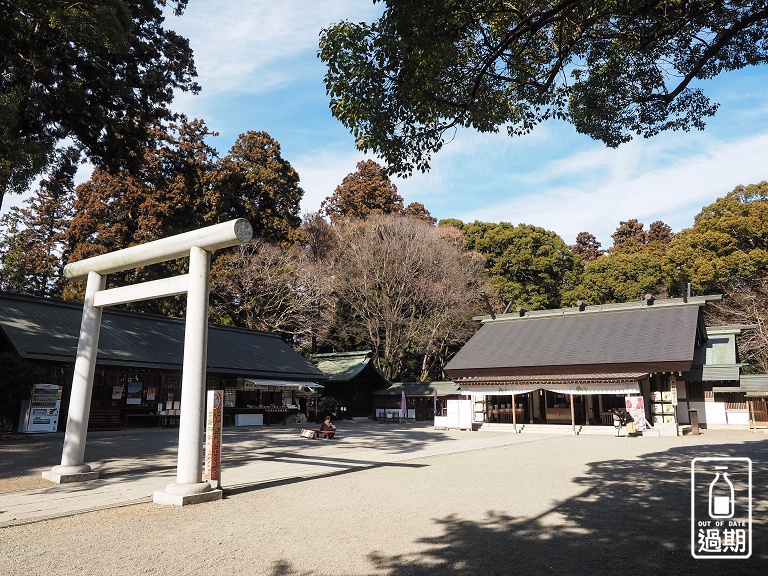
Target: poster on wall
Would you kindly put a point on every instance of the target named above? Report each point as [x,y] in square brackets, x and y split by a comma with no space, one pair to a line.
[636,408]
[134,393]
[117,392]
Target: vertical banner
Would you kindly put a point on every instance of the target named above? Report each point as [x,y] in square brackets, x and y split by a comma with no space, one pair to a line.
[214,418]
[636,409]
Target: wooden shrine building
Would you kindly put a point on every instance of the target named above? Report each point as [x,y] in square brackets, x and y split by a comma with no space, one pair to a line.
[574,366]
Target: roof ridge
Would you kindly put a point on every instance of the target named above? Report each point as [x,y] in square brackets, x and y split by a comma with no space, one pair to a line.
[602,308]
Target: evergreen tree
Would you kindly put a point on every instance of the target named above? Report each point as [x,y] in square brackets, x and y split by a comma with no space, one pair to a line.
[33,246]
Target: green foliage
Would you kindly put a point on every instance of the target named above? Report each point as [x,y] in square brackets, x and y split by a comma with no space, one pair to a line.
[327,404]
[98,73]
[529,266]
[619,277]
[612,69]
[728,242]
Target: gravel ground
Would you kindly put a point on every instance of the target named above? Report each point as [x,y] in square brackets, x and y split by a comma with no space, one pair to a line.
[563,505]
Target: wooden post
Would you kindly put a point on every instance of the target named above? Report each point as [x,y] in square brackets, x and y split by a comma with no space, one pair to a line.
[573,416]
[752,422]
[530,406]
[514,413]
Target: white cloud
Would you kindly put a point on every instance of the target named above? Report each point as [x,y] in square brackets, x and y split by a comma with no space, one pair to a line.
[255,47]
[641,180]
[321,172]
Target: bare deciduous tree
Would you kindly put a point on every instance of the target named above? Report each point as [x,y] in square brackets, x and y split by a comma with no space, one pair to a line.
[747,303]
[407,287]
[267,287]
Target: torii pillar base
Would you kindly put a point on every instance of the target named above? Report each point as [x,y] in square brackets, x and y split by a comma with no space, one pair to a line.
[67,474]
[183,494]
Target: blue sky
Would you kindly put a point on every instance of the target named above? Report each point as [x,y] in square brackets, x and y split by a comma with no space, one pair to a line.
[258,70]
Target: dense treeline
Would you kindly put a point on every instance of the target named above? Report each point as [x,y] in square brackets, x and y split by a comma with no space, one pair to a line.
[724,252]
[379,275]
[367,271]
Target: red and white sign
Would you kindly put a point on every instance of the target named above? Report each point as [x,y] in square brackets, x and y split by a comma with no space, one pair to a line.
[214,419]
[636,409]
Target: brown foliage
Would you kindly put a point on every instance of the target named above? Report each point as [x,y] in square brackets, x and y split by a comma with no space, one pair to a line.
[747,303]
[406,288]
[362,193]
[587,247]
[263,286]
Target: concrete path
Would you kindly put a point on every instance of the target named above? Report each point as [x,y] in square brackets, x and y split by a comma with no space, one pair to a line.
[135,463]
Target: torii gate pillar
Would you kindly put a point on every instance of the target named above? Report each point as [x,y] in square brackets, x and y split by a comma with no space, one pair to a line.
[189,487]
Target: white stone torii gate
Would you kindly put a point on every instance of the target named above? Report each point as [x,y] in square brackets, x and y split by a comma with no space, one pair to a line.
[189,487]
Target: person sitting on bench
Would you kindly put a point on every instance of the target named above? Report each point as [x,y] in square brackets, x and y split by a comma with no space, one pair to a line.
[328,425]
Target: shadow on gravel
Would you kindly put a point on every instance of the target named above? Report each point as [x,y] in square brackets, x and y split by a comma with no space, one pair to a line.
[632,518]
[112,453]
[144,451]
[244,488]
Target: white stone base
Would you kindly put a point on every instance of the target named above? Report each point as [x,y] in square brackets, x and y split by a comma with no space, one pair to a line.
[161,497]
[66,478]
[63,474]
[666,428]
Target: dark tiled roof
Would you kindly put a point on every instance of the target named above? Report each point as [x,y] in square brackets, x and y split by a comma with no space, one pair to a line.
[636,338]
[45,329]
[421,389]
[342,366]
[346,366]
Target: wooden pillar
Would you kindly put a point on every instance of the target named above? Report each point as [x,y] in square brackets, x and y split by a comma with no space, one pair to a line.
[573,416]
[530,406]
[514,413]
[752,422]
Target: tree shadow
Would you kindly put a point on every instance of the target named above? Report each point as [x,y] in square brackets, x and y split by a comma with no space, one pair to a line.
[632,518]
[143,451]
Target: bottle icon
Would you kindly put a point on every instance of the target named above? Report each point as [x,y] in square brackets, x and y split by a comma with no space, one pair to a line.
[721,494]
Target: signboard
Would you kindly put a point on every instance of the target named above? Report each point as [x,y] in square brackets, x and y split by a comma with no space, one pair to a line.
[721,508]
[459,414]
[135,390]
[636,409]
[213,424]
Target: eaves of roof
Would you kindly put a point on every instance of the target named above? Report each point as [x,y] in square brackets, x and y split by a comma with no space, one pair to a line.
[48,330]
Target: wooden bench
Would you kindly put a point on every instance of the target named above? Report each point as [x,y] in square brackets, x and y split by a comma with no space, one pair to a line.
[105,420]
